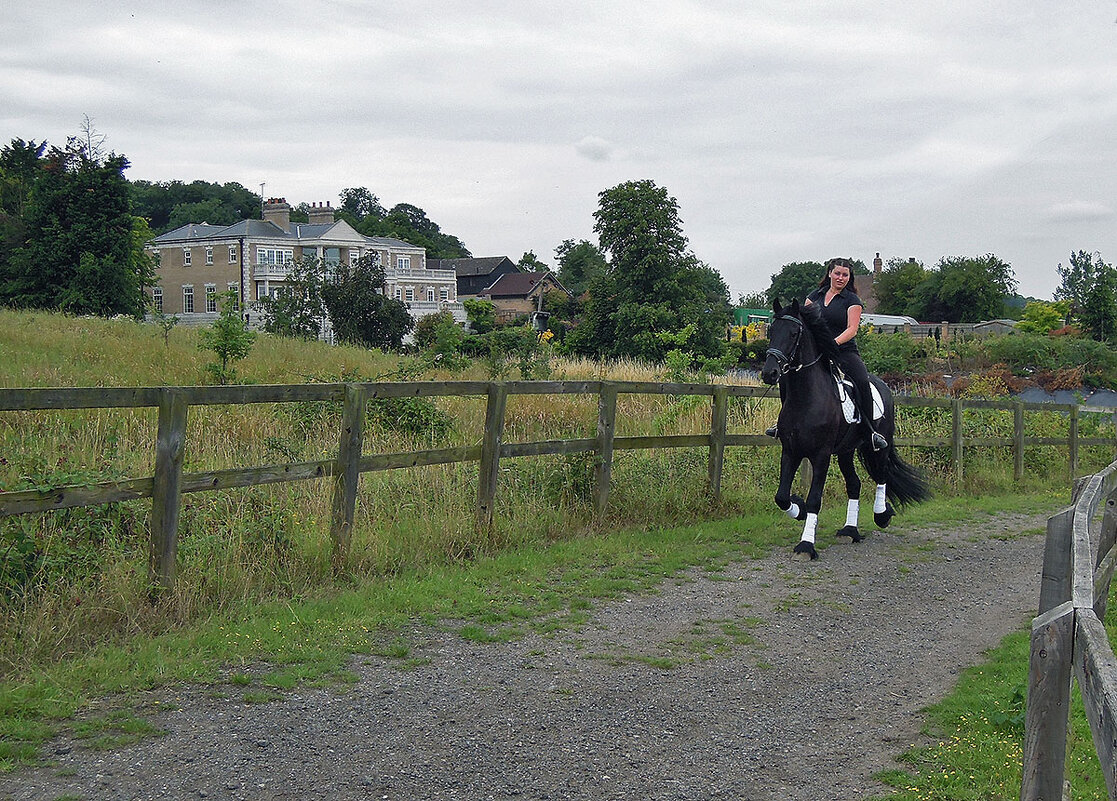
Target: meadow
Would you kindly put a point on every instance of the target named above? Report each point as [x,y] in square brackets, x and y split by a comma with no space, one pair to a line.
[74,584]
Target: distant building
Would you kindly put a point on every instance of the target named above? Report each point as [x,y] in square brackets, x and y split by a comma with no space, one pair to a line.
[518,294]
[476,275]
[197,261]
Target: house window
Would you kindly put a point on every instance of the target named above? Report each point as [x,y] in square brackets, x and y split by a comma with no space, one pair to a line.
[232,254]
[235,289]
[410,295]
[430,294]
[209,255]
[186,257]
[403,262]
[211,298]
[187,299]
[399,293]
[354,255]
[444,294]
[331,256]
[274,255]
[157,298]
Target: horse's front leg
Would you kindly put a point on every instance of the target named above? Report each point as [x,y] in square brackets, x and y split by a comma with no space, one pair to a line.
[853,496]
[820,464]
[791,504]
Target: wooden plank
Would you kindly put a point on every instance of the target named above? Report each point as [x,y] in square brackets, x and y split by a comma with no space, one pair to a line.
[394,461]
[1082,559]
[605,442]
[1055,580]
[668,441]
[489,470]
[719,415]
[28,501]
[257,476]
[1096,670]
[166,491]
[237,394]
[1017,442]
[553,387]
[758,440]
[549,447]
[1048,704]
[36,398]
[424,389]
[662,388]
[347,473]
[956,437]
[1072,445]
[1106,556]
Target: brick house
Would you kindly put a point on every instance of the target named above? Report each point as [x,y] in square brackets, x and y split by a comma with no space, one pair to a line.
[476,275]
[518,294]
[197,261]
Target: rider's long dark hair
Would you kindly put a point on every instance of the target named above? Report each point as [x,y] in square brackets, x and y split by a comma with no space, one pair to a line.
[830,265]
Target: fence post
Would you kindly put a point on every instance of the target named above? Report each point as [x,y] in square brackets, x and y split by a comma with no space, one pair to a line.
[1018,441]
[1055,578]
[1045,719]
[347,472]
[490,455]
[1106,538]
[606,430]
[719,414]
[166,493]
[1072,444]
[956,436]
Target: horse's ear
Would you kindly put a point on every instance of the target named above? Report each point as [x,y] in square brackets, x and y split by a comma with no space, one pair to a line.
[795,306]
[776,305]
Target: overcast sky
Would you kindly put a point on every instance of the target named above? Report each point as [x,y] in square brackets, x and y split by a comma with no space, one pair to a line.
[786,130]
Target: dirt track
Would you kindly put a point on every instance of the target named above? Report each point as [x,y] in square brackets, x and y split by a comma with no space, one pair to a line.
[822,693]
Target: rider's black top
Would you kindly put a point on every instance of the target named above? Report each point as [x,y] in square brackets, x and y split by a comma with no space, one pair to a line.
[836,315]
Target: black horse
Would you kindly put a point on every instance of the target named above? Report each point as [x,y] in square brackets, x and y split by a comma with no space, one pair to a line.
[813,426]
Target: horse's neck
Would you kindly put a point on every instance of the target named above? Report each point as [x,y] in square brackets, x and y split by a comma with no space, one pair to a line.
[814,375]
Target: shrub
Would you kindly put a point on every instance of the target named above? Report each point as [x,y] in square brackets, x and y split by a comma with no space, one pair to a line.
[889,353]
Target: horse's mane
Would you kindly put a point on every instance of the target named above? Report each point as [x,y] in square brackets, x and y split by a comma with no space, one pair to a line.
[811,314]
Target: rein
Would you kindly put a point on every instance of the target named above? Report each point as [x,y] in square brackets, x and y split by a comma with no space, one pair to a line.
[784,360]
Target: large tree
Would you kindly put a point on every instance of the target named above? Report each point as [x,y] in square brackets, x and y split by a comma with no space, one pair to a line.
[80,250]
[411,224]
[1078,279]
[795,281]
[653,289]
[297,309]
[964,289]
[895,286]
[578,264]
[169,204]
[360,312]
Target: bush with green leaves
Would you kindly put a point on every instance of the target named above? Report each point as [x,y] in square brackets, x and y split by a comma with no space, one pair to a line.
[1023,352]
[889,353]
[229,338]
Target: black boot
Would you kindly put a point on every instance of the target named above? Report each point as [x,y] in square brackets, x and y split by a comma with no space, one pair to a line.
[878,442]
[772,432]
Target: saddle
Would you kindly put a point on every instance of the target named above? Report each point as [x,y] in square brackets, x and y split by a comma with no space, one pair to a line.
[845,394]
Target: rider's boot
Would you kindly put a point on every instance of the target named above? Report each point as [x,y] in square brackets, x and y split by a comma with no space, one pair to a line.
[772,432]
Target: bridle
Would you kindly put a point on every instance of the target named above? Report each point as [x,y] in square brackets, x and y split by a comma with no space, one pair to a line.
[785,361]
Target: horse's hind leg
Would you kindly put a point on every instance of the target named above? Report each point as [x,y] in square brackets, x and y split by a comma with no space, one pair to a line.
[853,495]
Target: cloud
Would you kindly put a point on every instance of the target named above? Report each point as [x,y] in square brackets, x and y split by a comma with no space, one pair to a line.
[1077,211]
[594,148]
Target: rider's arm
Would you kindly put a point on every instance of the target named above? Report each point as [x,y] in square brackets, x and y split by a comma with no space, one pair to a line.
[853,322]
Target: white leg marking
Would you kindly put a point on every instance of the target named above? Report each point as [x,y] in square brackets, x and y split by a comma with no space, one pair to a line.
[879,505]
[793,511]
[810,526]
[852,507]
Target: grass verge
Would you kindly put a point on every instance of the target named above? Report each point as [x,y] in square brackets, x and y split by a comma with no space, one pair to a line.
[262,650]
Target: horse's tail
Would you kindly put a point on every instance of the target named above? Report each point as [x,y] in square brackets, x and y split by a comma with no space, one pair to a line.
[904,483]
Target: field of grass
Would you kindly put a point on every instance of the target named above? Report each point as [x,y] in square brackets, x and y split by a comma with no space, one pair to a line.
[255,582]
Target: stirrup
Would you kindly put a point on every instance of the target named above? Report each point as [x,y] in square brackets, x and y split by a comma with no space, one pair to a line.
[772,432]
[878,442]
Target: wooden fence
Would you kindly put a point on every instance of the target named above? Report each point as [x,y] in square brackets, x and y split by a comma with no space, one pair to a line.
[168,484]
[1069,640]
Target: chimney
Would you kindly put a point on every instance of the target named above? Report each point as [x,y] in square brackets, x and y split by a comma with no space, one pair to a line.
[878,265]
[277,211]
[320,213]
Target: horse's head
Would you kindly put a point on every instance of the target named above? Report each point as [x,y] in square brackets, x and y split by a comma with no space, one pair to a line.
[785,336]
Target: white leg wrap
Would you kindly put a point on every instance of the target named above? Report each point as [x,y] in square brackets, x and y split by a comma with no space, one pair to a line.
[852,507]
[793,511]
[879,505]
[809,527]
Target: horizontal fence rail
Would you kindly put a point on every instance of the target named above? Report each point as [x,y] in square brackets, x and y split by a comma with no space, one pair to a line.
[169,483]
[1069,640]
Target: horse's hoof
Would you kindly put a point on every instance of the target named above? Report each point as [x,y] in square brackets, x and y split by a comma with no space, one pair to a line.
[805,552]
[795,499]
[851,532]
[882,519]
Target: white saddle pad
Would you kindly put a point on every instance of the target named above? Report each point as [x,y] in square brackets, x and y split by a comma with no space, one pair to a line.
[845,392]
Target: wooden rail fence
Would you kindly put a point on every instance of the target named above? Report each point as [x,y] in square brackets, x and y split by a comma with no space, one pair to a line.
[1069,641]
[169,483]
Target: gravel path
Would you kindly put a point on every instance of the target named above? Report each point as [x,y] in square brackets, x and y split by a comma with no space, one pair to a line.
[818,684]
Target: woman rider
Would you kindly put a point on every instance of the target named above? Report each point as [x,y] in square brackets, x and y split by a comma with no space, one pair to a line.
[841,311]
